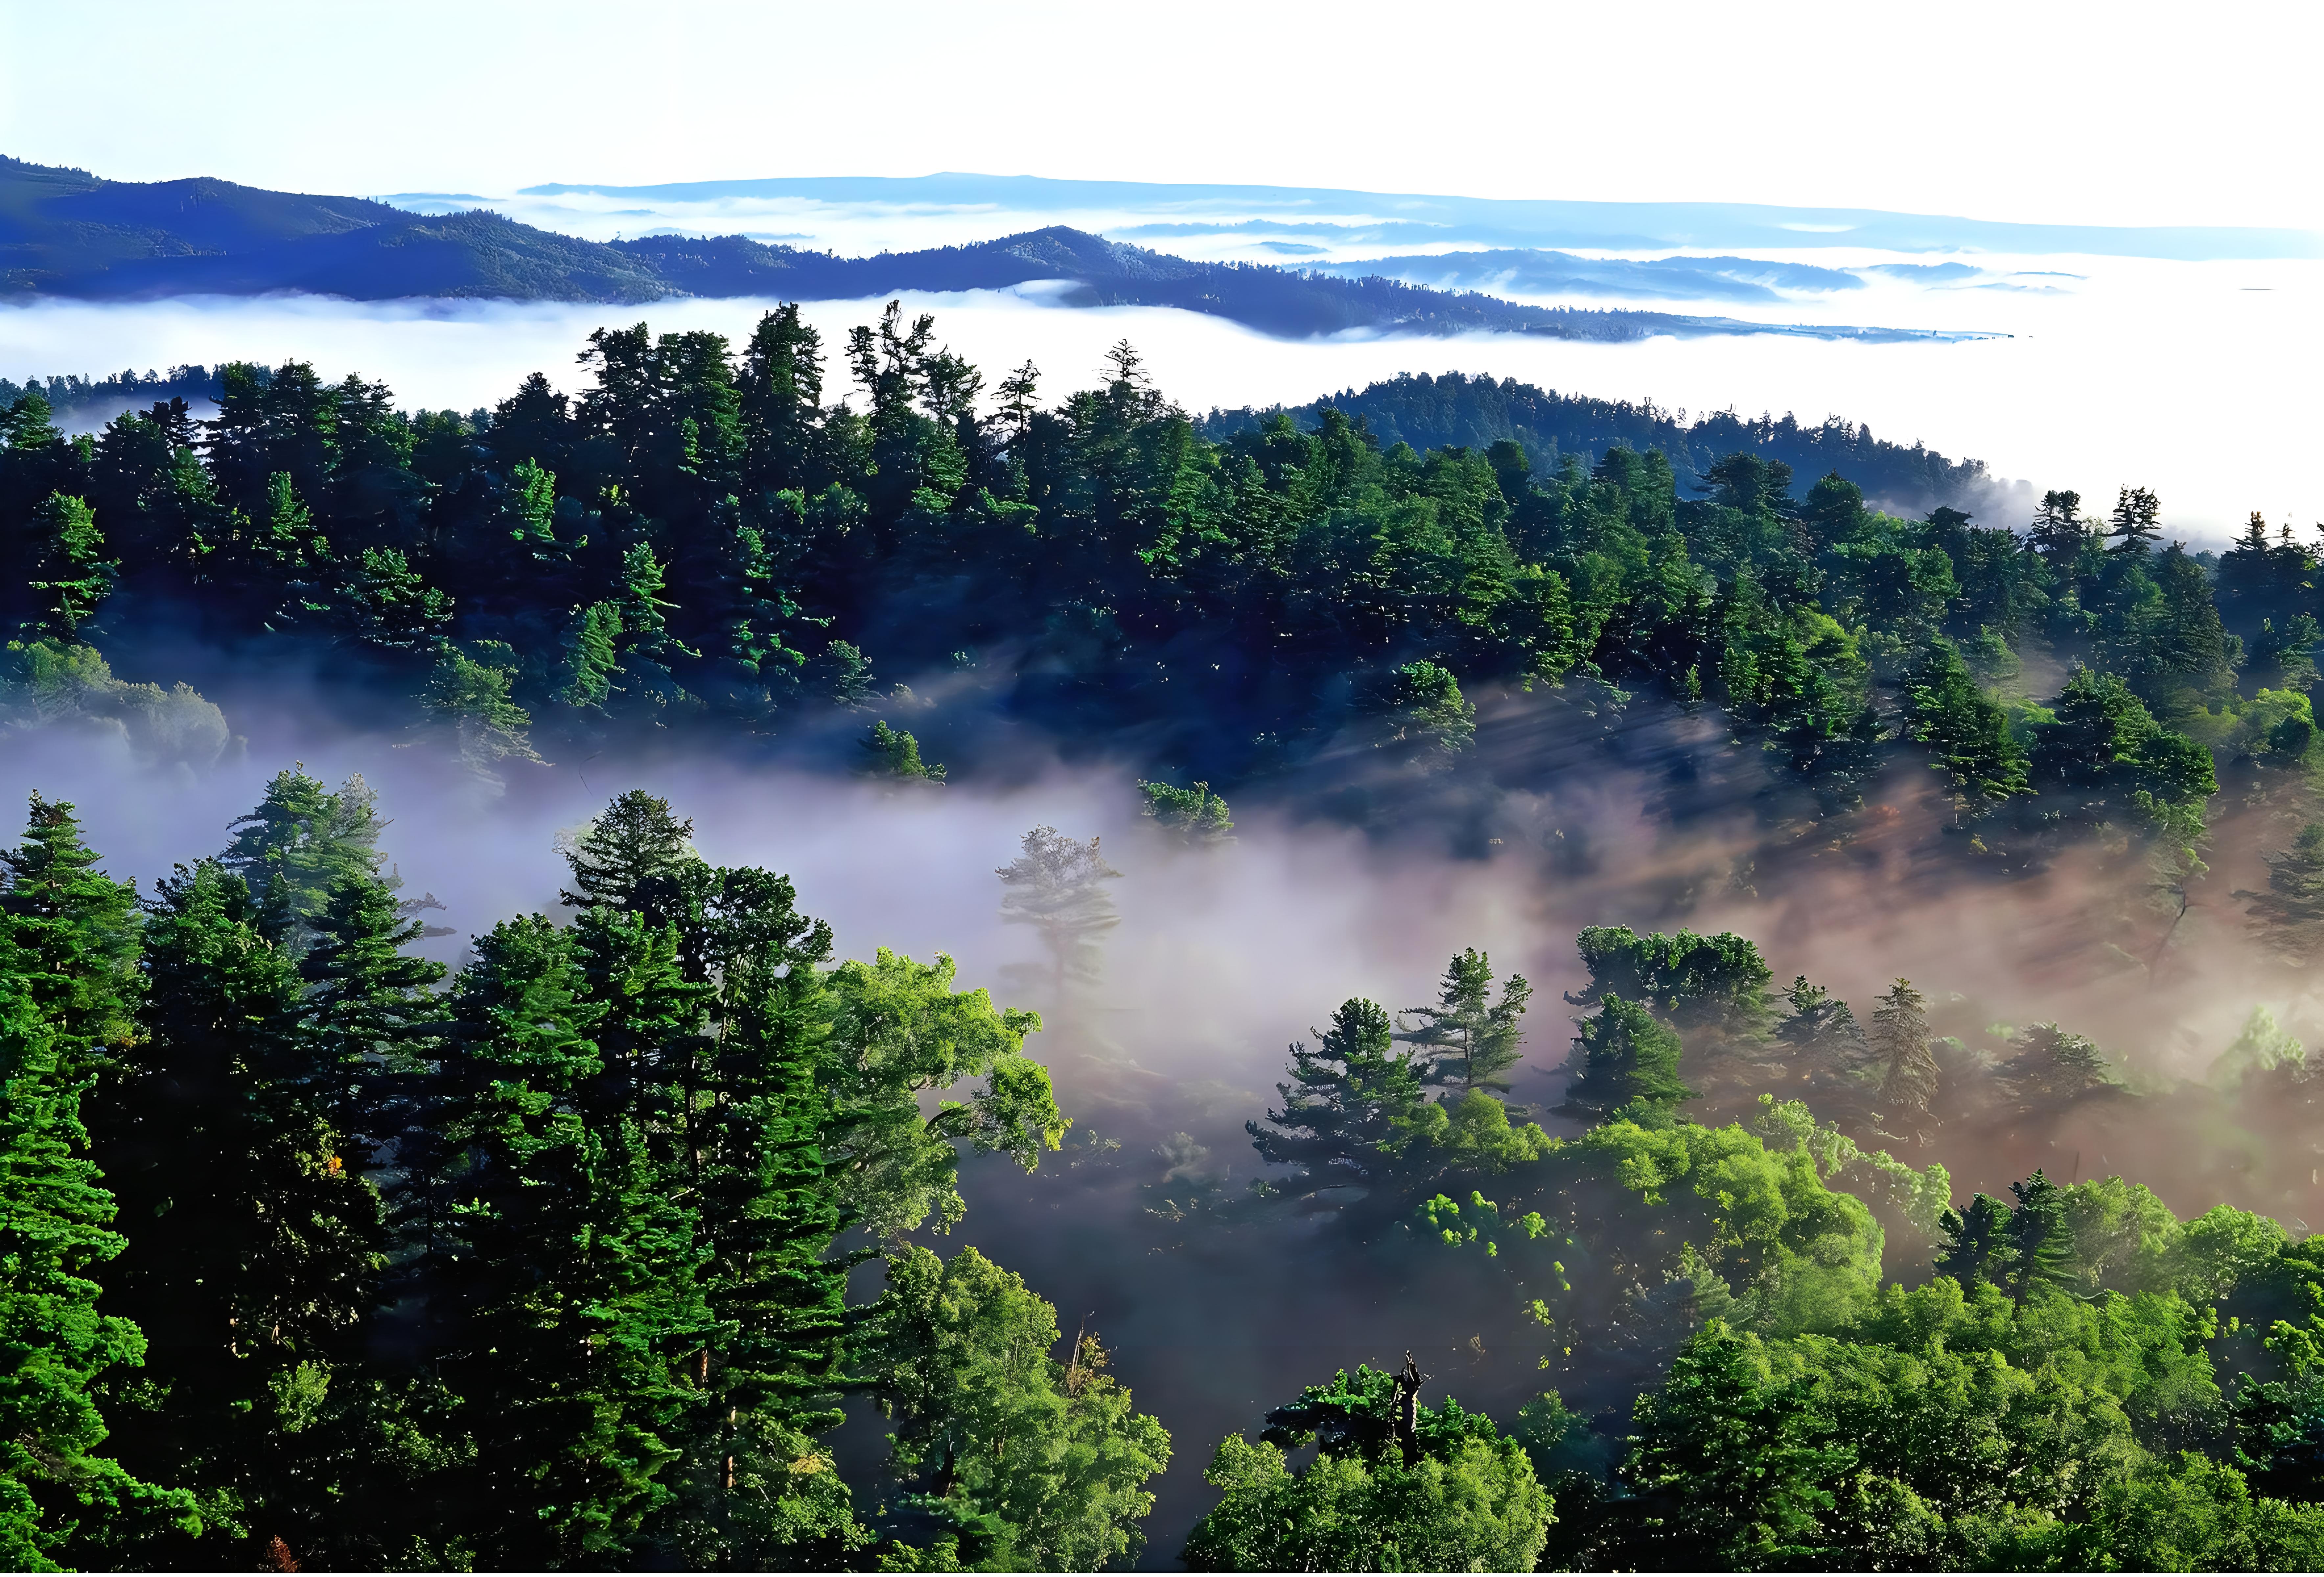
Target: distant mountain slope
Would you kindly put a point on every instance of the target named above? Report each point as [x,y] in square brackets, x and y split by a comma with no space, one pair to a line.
[1400,218]
[1526,270]
[66,232]
[1279,301]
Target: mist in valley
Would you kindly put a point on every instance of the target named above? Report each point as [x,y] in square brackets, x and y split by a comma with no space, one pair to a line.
[1143,1228]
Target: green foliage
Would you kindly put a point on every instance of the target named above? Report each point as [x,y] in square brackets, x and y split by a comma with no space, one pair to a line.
[2289,918]
[616,856]
[44,682]
[1899,1047]
[891,754]
[1193,816]
[1423,716]
[1046,1458]
[2053,1070]
[1466,1036]
[54,1215]
[1394,1487]
[1724,1471]
[1694,982]
[469,698]
[2106,757]
[79,577]
[1967,732]
[898,1030]
[1354,1102]
[1629,1068]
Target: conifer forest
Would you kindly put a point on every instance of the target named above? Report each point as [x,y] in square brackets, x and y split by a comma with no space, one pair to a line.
[1903,1156]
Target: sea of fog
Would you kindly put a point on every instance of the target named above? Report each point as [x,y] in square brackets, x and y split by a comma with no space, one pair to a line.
[2190,378]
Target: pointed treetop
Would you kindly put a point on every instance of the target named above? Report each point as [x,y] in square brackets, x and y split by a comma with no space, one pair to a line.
[636,838]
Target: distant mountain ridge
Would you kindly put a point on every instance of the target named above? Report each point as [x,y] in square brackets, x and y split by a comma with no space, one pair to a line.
[1415,217]
[65,233]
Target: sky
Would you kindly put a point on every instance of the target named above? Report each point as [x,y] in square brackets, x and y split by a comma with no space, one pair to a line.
[2060,113]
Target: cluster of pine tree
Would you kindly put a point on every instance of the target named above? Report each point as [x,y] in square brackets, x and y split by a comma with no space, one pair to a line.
[315,1257]
[700,536]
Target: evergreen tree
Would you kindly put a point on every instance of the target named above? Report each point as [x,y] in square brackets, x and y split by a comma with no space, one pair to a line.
[387,606]
[368,1010]
[1194,816]
[2289,918]
[753,1486]
[636,838]
[469,699]
[572,1294]
[782,401]
[2054,1070]
[1909,1076]
[1354,1103]
[889,753]
[1967,730]
[2136,521]
[1629,1068]
[300,842]
[261,1245]
[1467,1038]
[1826,1048]
[1977,1247]
[590,658]
[77,931]
[1716,982]
[1053,887]
[76,576]
[2059,529]
[55,1345]
[2041,1244]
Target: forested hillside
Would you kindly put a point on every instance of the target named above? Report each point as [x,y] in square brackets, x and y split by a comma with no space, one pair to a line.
[580,1253]
[702,541]
[1453,410]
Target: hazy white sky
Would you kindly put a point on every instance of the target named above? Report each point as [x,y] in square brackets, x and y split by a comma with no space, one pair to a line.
[2007,109]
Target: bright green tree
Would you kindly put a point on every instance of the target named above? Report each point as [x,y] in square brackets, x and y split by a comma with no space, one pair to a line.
[1044,1463]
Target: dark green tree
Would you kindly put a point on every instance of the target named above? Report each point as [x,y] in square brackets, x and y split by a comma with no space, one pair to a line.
[635,839]
[1353,1102]
[2288,918]
[565,1308]
[2041,1244]
[1976,1247]
[78,935]
[1628,1068]
[1466,1036]
[55,1211]
[76,577]
[1909,1077]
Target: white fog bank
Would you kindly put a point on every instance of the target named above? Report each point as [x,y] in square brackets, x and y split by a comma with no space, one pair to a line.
[2192,379]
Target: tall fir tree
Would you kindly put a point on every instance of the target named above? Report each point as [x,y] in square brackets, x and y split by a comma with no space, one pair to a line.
[571,1298]
[60,1500]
